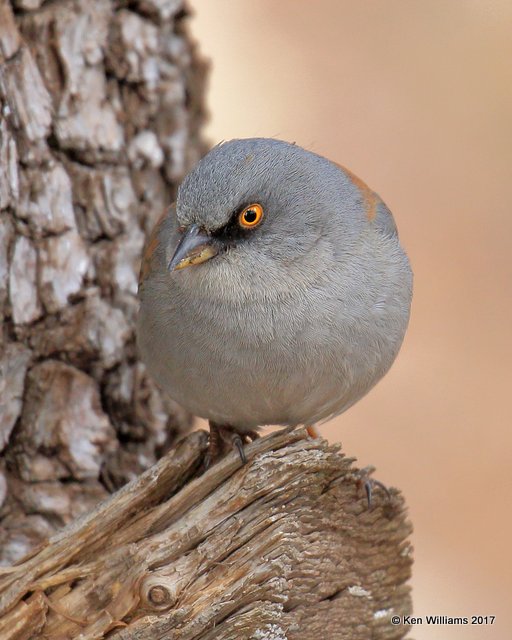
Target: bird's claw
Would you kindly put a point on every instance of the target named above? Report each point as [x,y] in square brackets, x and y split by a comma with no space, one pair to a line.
[222,435]
[370,485]
[239,446]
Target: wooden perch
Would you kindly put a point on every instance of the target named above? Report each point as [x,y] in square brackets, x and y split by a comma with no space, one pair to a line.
[282,547]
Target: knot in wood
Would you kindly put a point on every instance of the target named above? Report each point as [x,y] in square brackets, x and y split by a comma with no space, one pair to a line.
[157,594]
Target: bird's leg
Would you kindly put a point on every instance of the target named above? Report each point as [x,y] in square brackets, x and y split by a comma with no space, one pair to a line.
[312,431]
[225,433]
[215,445]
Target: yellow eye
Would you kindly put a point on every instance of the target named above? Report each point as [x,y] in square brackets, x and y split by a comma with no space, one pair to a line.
[251,216]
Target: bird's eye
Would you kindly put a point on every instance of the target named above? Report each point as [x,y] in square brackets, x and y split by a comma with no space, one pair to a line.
[251,216]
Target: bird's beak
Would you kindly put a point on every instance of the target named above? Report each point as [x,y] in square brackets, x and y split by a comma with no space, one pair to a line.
[193,248]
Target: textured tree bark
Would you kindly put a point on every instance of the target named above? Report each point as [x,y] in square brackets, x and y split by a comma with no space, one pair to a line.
[101,104]
[100,114]
[283,547]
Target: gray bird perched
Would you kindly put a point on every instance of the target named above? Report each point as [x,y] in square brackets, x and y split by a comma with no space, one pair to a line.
[295,297]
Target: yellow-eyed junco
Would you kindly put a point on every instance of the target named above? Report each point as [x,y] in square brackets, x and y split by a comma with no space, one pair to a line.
[275,291]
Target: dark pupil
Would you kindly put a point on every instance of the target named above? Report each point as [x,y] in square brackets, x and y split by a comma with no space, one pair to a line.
[250,216]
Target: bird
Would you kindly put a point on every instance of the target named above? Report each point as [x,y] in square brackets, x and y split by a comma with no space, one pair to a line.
[274,291]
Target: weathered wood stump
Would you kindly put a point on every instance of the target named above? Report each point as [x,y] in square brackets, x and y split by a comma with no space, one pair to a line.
[282,547]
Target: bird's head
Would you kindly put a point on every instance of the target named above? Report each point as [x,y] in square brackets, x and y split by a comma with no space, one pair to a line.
[261,206]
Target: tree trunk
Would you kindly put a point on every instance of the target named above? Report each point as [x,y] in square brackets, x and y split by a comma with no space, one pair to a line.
[101,107]
[283,547]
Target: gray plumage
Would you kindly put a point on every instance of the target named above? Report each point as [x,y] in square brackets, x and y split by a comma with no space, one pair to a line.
[294,320]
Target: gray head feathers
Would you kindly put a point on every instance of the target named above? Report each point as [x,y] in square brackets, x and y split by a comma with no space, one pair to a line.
[281,176]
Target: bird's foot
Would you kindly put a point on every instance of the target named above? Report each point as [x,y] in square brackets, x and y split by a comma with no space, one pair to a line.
[223,438]
[370,484]
[312,431]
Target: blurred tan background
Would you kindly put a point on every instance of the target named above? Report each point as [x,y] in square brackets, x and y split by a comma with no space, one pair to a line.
[416,98]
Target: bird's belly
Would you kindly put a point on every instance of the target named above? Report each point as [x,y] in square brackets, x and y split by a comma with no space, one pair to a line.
[252,388]
[230,371]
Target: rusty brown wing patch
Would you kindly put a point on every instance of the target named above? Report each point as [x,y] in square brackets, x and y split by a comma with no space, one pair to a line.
[370,198]
[150,249]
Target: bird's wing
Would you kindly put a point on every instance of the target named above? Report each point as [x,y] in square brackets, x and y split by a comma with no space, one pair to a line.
[152,245]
